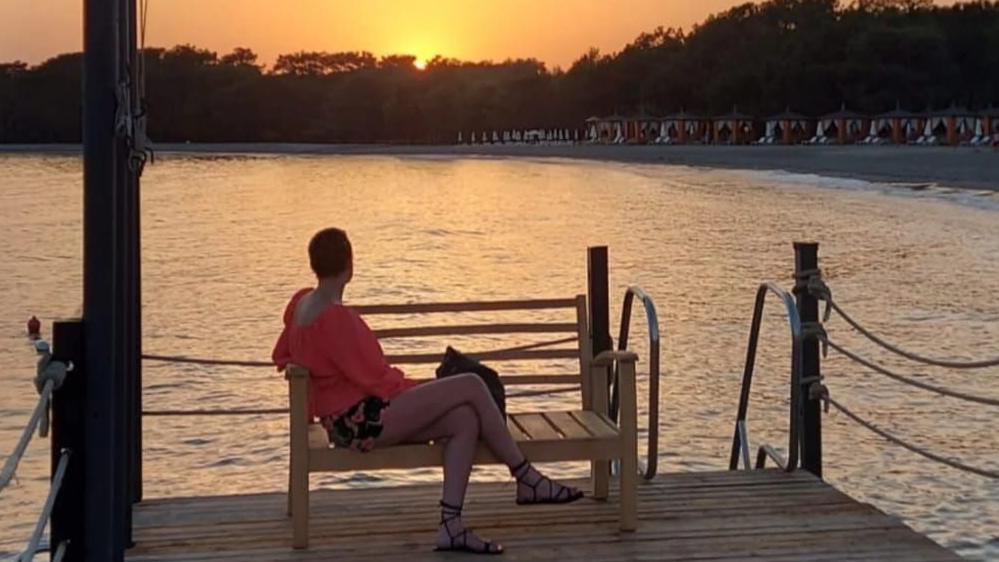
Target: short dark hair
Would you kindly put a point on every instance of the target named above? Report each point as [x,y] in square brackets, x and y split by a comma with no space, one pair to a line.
[330,253]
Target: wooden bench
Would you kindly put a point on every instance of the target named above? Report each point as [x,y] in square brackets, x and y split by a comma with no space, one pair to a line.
[586,434]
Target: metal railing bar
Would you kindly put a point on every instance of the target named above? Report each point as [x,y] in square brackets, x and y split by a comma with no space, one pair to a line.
[794,323]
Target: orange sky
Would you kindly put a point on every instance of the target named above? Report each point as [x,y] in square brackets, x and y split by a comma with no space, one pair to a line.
[556,31]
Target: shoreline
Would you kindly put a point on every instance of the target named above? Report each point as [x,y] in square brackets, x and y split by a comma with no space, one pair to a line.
[953,167]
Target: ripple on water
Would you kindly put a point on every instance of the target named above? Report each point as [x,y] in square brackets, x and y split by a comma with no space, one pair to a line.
[224,241]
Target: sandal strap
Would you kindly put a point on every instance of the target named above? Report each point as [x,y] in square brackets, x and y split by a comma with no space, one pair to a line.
[449,507]
[449,513]
[556,491]
[519,468]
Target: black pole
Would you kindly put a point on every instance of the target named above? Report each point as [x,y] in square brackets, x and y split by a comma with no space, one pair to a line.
[102,512]
[598,298]
[599,304]
[125,333]
[806,263]
[68,421]
[135,279]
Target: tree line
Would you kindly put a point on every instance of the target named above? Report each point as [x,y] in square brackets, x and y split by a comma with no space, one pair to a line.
[807,55]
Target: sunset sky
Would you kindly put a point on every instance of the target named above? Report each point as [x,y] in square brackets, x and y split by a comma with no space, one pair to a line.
[555,31]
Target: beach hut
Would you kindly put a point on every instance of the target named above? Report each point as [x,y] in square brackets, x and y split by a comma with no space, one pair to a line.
[958,124]
[668,131]
[844,126]
[990,126]
[592,127]
[691,128]
[641,129]
[898,125]
[610,129]
[787,128]
[733,128]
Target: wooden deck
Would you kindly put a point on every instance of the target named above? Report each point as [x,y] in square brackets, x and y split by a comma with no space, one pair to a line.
[760,515]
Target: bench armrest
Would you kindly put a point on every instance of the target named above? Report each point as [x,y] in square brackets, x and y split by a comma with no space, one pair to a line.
[294,372]
[608,358]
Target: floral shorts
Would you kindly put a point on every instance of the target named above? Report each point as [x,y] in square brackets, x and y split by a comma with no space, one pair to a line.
[358,427]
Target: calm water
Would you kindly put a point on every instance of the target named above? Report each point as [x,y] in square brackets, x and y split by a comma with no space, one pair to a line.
[224,247]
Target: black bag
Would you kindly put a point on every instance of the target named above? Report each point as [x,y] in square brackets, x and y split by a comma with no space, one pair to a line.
[455,363]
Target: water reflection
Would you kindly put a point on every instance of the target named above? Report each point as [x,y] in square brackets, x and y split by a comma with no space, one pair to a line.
[224,247]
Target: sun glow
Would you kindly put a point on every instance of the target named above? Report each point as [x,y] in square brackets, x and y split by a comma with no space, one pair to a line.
[420,64]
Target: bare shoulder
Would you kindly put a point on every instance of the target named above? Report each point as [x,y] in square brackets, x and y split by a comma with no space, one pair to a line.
[306,308]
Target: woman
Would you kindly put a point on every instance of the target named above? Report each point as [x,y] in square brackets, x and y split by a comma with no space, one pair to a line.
[364,403]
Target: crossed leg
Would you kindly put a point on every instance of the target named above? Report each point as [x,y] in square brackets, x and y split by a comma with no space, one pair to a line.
[460,410]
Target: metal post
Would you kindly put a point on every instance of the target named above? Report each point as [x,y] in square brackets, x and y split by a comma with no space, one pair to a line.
[125,334]
[806,263]
[68,433]
[598,298]
[135,254]
[102,511]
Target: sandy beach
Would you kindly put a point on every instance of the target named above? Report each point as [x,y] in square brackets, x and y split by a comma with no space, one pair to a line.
[963,167]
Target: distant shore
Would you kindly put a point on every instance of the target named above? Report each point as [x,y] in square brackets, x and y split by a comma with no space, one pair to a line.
[963,167]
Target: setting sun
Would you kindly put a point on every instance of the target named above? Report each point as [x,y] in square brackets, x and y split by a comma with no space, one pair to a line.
[420,64]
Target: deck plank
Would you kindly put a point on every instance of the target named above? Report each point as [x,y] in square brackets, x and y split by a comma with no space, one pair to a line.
[710,516]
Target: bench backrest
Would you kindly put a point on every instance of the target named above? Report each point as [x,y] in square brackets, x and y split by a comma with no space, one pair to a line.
[572,340]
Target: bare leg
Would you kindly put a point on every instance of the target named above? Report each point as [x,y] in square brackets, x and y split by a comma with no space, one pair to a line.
[416,409]
[460,409]
[459,429]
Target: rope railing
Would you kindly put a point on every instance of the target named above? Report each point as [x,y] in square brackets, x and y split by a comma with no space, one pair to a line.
[43,518]
[281,411]
[921,451]
[270,364]
[820,290]
[40,411]
[206,361]
[980,364]
[909,380]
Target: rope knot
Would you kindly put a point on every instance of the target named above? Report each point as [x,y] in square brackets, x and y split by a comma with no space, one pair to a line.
[810,282]
[815,330]
[48,370]
[819,391]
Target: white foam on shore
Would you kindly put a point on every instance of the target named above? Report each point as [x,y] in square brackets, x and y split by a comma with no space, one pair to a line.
[979,199]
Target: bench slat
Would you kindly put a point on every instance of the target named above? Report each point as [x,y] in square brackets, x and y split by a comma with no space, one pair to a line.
[537,427]
[526,355]
[432,307]
[547,446]
[515,430]
[467,329]
[597,424]
[567,425]
[568,378]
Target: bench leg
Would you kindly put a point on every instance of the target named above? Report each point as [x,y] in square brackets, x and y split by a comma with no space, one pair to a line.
[600,477]
[629,447]
[300,511]
[629,493]
[288,512]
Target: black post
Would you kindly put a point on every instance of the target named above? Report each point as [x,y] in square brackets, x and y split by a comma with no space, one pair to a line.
[598,302]
[104,476]
[125,334]
[806,262]
[598,298]
[68,420]
[135,279]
